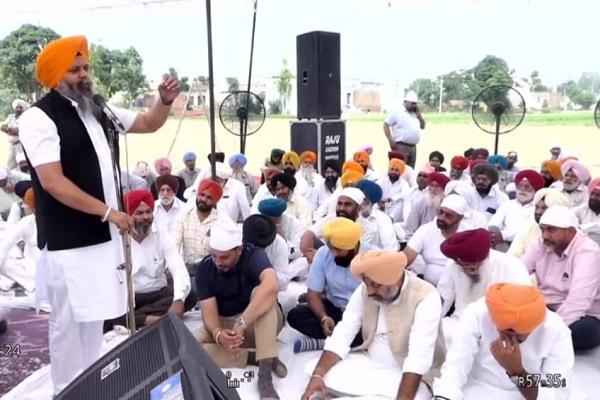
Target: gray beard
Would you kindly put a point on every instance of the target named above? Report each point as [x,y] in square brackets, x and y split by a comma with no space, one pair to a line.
[83,97]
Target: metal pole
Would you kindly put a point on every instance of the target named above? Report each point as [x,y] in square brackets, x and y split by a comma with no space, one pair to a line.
[441,93]
[497,134]
[211,91]
[245,122]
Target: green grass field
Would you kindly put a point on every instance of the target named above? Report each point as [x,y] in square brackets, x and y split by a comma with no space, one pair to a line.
[449,133]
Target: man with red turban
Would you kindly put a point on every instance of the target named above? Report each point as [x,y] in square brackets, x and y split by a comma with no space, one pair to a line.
[427,208]
[154,257]
[514,215]
[458,165]
[473,267]
[76,199]
[506,346]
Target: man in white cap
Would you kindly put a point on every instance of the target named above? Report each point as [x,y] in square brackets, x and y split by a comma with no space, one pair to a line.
[427,239]
[237,291]
[565,263]
[11,127]
[403,128]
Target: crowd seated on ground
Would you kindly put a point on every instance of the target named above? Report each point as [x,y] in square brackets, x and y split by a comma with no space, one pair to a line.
[436,278]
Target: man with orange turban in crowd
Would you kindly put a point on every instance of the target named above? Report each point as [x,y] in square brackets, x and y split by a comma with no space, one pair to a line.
[458,169]
[308,179]
[395,190]
[154,256]
[398,317]
[507,345]
[76,201]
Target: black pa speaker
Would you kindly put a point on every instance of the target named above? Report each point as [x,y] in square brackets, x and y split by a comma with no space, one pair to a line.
[162,361]
[318,75]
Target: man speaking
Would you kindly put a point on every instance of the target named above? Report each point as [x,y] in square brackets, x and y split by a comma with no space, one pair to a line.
[76,202]
[403,128]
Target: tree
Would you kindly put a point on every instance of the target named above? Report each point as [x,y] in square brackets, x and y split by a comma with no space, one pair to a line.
[590,81]
[492,71]
[584,99]
[427,90]
[536,83]
[116,70]
[284,87]
[233,84]
[275,107]
[18,52]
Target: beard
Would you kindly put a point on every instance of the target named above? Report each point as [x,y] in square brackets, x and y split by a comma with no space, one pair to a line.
[594,205]
[331,183]
[82,93]
[548,182]
[203,207]
[345,261]
[308,173]
[167,201]
[537,217]
[290,171]
[524,197]
[570,186]
[483,190]
[341,213]
[238,174]
[441,224]
[142,228]
[433,200]
[393,177]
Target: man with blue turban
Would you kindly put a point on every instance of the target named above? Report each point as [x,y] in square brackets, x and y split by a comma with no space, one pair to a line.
[237,162]
[190,172]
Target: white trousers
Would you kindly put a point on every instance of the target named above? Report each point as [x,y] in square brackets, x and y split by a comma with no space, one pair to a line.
[74,346]
[20,270]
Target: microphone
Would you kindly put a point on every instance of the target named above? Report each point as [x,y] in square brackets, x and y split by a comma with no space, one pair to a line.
[100,102]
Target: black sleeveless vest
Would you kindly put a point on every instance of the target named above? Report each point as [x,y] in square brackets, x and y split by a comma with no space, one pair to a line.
[59,226]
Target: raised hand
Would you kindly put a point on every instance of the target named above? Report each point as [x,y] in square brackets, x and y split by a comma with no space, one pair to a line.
[169,89]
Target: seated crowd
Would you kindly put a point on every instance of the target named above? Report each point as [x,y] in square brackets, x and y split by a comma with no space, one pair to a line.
[449,283]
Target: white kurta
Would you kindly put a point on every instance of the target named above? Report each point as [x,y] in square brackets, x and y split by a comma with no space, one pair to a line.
[511,217]
[277,252]
[151,260]
[20,269]
[490,203]
[471,372]
[456,287]
[397,192]
[386,234]
[95,288]
[165,220]
[234,201]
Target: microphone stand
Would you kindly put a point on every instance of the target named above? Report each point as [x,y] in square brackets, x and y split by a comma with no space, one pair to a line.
[113,130]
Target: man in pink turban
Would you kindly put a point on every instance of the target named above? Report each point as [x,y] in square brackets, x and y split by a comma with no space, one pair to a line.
[575,177]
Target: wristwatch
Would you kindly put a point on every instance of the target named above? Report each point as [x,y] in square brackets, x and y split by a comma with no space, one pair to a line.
[239,321]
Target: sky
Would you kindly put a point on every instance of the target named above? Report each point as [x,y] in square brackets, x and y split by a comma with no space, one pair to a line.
[381,40]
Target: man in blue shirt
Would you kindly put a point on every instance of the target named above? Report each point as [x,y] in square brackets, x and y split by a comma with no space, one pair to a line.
[237,290]
[330,284]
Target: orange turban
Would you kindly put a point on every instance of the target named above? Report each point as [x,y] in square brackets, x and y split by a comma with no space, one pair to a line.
[308,155]
[213,188]
[29,199]
[361,156]
[55,59]
[350,178]
[397,163]
[553,168]
[517,307]
[383,267]
[354,166]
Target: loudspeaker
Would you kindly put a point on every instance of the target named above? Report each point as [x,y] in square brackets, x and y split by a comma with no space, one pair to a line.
[326,138]
[318,75]
[162,361]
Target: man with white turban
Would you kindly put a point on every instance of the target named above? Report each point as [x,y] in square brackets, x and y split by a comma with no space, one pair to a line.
[529,234]
[10,126]
[398,316]
[565,263]
[504,346]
